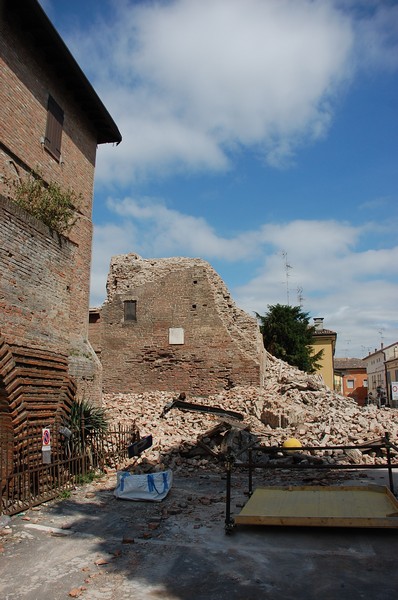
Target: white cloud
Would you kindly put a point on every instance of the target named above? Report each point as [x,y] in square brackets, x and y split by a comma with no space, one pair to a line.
[189,82]
[167,232]
[193,84]
[355,291]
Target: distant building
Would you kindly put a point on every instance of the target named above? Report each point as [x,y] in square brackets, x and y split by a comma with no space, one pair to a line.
[382,370]
[350,378]
[325,339]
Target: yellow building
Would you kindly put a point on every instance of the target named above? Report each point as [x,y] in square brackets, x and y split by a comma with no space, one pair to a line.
[325,339]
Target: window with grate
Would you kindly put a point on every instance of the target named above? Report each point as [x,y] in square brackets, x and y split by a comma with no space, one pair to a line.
[130,310]
[55,122]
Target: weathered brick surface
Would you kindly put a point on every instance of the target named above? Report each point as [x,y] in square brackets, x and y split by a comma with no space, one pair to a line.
[94,330]
[35,281]
[222,344]
[35,387]
[24,88]
[44,285]
[36,269]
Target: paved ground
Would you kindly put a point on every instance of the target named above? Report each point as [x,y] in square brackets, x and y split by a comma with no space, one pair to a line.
[96,547]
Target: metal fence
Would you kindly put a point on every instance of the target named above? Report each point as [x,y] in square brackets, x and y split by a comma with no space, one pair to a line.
[31,473]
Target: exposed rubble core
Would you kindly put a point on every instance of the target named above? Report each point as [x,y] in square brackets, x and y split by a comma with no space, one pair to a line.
[292,404]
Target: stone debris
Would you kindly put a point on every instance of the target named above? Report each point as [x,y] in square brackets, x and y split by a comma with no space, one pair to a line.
[76,592]
[291,404]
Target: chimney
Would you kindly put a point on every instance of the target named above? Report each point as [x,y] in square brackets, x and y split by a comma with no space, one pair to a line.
[318,323]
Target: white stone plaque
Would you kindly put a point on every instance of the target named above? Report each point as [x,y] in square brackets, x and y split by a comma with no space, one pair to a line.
[176,335]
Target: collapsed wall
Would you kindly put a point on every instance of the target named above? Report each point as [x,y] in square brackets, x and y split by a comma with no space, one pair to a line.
[290,404]
[171,324]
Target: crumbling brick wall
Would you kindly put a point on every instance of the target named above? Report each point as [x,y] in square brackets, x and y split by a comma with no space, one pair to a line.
[187,334]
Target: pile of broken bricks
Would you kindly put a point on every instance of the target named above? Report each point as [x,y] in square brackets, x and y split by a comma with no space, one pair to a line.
[291,404]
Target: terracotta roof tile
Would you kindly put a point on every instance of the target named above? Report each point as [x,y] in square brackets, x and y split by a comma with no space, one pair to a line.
[349,363]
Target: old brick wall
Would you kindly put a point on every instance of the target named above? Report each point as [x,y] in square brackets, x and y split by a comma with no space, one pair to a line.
[94,330]
[221,344]
[26,80]
[36,268]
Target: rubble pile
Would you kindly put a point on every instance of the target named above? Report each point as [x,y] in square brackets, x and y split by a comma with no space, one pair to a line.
[291,404]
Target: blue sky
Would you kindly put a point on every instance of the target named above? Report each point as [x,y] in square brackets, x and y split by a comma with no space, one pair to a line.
[260,135]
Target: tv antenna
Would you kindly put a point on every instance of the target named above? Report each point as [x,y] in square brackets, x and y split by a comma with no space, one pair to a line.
[300,297]
[287,274]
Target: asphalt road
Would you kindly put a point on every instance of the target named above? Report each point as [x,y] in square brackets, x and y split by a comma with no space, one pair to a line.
[97,547]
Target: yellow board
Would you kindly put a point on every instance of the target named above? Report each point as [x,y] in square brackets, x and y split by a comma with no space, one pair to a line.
[321,506]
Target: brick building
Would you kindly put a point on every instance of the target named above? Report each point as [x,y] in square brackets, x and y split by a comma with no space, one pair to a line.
[171,324]
[51,123]
[351,379]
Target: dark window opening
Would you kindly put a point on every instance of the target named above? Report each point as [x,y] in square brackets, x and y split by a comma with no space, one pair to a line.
[93,317]
[130,310]
[193,305]
[195,281]
[55,121]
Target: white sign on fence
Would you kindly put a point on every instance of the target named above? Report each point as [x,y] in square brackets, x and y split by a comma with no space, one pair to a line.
[394,390]
[46,437]
[46,446]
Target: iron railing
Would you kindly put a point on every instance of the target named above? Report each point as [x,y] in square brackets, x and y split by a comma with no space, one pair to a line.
[30,475]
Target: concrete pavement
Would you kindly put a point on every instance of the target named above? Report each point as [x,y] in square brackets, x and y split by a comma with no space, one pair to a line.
[96,547]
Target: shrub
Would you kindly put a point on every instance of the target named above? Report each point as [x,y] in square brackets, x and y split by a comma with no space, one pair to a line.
[88,418]
[48,202]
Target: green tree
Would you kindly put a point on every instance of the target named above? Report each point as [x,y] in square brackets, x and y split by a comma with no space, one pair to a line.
[288,335]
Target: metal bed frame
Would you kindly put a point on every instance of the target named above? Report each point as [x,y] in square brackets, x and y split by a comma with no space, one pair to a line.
[232,462]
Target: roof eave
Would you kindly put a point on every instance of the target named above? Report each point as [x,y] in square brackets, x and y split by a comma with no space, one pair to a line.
[33,21]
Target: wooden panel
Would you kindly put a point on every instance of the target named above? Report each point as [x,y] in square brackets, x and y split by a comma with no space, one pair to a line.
[321,506]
